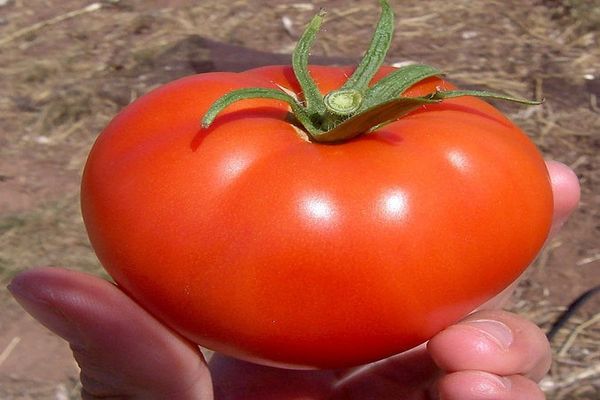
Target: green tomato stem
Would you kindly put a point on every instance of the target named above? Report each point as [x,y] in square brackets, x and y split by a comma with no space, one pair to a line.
[315,107]
[441,95]
[340,104]
[356,108]
[375,55]
[397,82]
[372,118]
[264,93]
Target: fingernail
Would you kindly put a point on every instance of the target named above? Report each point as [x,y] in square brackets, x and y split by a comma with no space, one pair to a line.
[498,331]
[45,313]
[490,384]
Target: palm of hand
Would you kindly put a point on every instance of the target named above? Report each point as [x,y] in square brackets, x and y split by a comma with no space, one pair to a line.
[410,377]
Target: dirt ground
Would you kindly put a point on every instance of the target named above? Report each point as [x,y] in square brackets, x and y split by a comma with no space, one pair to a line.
[66,67]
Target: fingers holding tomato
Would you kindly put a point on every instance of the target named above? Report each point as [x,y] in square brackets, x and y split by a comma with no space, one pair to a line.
[491,354]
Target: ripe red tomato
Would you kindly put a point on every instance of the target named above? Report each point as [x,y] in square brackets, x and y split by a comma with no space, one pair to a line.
[250,240]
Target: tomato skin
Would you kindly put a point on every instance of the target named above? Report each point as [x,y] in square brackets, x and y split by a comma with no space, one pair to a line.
[251,241]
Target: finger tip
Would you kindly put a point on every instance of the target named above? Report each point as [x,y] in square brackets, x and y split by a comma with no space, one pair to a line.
[76,296]
[472,385]
[495,341]
[28,280]
[35,290]
[565,187]
[45,283]
[452,348]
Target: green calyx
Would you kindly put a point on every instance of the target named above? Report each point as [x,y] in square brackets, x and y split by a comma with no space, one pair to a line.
[356,108]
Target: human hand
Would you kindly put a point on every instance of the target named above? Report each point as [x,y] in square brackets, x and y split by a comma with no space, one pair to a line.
[124,352]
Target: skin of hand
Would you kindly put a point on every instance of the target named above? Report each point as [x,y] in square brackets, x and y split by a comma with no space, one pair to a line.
[125,353]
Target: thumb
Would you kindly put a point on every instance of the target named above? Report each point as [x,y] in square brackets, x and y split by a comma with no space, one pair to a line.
[123,352]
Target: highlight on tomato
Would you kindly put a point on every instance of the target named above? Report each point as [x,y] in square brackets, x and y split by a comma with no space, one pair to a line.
[315,216]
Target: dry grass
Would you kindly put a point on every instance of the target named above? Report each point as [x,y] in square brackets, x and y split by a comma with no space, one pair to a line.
[67,67]
[576,371]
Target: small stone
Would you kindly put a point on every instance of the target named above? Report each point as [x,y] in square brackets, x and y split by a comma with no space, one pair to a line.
[42,139]
[469,35]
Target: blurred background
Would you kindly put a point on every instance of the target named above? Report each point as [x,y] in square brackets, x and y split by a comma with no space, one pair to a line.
[67,67]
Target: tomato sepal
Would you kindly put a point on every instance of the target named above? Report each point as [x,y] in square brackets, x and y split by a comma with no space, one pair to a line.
[338,116]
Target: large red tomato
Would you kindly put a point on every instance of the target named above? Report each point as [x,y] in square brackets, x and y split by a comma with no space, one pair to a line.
[251,240]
